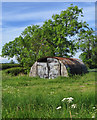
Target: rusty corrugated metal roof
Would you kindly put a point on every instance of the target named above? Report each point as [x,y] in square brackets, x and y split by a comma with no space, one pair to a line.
[76,66]
[68,61]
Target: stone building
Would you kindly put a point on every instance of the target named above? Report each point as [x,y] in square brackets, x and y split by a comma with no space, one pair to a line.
[52,67]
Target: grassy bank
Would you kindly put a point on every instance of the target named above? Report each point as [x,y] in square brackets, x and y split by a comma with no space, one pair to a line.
[27,97]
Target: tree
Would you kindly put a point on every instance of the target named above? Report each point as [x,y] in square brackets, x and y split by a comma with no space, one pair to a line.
[88,44]
[61,28]
[28,47]
[53,38]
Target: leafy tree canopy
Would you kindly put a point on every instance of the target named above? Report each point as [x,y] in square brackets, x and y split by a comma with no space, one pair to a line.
[88,44]
[53,38]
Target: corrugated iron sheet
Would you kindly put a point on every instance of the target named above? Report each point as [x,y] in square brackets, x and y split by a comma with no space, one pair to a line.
[69,61]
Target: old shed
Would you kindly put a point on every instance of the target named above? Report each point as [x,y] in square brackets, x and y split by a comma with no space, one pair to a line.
[52,67]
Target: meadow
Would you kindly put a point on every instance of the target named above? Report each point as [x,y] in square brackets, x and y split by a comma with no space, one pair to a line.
[63,97]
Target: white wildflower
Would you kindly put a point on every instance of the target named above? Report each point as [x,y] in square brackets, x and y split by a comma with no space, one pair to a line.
[93,116]
[64,99]
[58,107]
[73,106]
[93,107]
[70,99]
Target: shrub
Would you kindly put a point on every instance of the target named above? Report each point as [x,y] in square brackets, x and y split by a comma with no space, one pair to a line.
[15,71]
[8,65]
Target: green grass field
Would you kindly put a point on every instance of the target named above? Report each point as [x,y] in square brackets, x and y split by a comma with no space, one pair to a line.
[27,97]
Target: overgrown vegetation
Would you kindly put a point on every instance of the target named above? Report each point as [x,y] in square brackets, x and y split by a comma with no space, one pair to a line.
[28,97]
[56,37]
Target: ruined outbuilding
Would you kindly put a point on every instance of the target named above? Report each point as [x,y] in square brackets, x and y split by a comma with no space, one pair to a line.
[52,67]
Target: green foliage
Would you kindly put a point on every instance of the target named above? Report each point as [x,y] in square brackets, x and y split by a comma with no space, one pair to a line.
[15,71]
[29,97]
[60,29]
[4,66]
[53,38]
[12,62]
[88,44]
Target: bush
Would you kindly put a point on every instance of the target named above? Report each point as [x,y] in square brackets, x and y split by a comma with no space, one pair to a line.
[8,65]
[15,71]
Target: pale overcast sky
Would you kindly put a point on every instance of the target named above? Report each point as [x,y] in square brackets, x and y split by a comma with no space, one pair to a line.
[16,16]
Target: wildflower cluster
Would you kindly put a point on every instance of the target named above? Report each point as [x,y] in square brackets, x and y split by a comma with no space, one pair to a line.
[73,106]
[68,100]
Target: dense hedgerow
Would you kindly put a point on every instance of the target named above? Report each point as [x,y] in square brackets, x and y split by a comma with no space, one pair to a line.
[15,71]
[8,65]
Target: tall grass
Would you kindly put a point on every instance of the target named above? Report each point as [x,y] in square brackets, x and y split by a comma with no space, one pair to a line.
[27,97]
